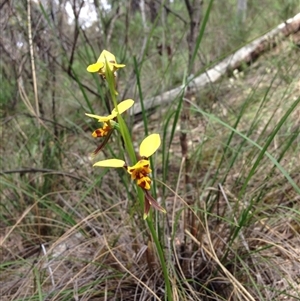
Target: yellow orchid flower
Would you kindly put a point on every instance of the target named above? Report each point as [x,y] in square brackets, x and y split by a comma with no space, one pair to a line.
[108,126]
[100,65]
[141,170]
[121,108]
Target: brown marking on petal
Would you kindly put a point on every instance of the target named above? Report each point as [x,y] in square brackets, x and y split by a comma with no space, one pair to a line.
[98,133]
[144,182]
[102,132]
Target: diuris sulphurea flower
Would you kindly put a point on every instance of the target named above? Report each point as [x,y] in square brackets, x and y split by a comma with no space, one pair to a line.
[141,170]
[105,58]
[108,123]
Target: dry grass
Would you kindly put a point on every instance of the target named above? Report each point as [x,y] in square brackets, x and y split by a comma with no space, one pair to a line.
[69,235]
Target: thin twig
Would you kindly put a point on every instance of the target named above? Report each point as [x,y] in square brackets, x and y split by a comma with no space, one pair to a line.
[48,266]
[145,26]
[169,10]
[3,3]
[74,77]
[42,170]
[112,24]
[37,110]
[76,34]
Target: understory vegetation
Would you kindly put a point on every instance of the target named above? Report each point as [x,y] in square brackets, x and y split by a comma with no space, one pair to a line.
[226,169]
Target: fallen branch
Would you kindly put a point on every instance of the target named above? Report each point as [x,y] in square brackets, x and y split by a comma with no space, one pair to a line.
[246,54]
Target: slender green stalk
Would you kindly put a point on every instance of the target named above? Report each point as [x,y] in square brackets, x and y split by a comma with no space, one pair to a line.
[136,69]
[130,150]
[162,259]
[38,283]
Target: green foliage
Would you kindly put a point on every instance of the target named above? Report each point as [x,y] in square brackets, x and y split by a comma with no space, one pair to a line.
[8,88]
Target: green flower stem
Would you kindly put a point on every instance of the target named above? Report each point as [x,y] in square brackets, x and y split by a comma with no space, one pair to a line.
[159,251]
[130,150]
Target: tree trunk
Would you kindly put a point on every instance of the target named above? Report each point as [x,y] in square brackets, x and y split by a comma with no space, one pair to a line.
[241,11]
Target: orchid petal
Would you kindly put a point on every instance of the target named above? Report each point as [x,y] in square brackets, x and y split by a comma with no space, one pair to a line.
[149,145]
[94,116]
[123,106]
[106,55]
[110,163]
[95,67]
[119,66]
[105,59]
[102,118]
